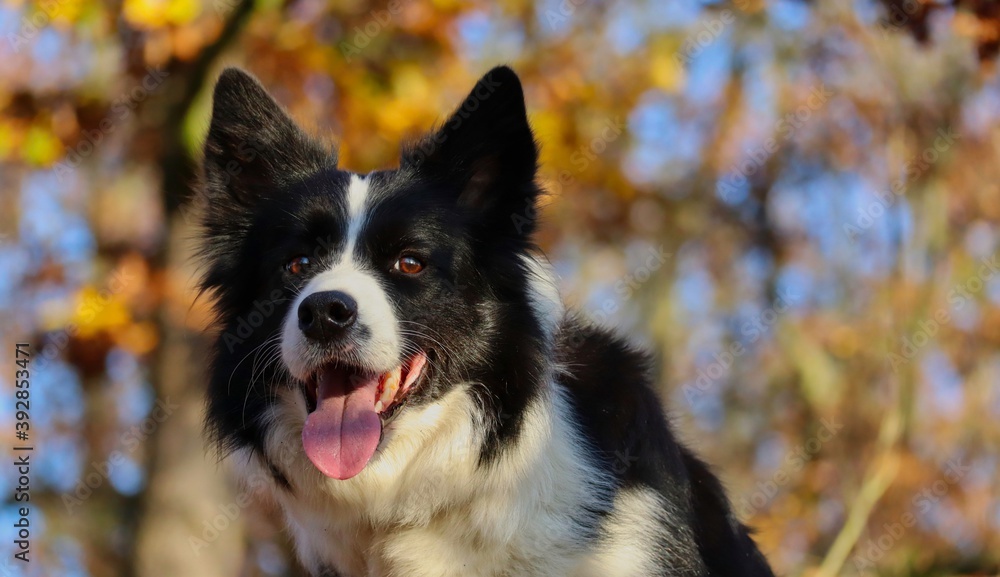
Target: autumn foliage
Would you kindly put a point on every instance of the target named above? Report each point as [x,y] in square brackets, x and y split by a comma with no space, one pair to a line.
[795,204]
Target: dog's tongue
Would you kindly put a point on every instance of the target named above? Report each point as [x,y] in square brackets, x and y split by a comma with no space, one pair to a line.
[341,435]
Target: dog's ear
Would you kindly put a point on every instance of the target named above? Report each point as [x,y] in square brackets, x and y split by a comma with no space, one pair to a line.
[253,148]
[486,152]
[252,144]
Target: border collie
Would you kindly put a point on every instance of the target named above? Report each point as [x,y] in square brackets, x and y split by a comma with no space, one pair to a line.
[394,356]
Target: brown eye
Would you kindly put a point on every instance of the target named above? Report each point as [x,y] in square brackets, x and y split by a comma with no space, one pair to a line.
[298,265]
[409,265]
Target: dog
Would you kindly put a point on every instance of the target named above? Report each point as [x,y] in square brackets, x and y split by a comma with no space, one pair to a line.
[393,357]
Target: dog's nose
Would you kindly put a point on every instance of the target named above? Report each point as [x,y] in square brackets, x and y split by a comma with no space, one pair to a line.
[326,315]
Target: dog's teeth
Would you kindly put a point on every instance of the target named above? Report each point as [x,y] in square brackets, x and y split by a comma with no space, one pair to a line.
[378,407]
[390,387]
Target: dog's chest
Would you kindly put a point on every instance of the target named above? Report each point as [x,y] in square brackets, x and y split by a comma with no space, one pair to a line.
[425,508]
[450,545]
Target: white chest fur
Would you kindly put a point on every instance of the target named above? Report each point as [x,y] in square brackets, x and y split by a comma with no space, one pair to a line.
[423,508]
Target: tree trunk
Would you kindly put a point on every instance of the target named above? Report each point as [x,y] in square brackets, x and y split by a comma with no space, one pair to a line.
[190,525]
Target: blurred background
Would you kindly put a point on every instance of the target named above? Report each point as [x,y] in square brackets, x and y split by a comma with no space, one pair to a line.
[795,204]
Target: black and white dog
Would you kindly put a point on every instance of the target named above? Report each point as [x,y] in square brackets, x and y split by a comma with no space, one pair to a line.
[393,354]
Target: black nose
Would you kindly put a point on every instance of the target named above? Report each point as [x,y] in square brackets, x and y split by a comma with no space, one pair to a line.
[326,316]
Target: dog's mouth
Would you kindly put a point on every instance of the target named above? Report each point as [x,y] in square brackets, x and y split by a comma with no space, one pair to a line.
[348,407]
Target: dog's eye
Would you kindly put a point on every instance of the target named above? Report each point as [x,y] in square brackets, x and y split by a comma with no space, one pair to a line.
[408,265]
[298,265]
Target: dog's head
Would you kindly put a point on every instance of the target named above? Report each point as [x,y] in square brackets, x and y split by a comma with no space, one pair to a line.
[371,294]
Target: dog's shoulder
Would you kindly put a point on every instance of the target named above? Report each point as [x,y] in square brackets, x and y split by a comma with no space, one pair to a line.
[610,385]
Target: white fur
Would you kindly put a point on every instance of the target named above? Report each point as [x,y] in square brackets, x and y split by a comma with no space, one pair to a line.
[380,352]
[357,196]
[633,535]
[544,294]
[422,507]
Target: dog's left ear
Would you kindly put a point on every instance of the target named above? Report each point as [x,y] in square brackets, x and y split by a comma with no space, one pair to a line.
[487,153]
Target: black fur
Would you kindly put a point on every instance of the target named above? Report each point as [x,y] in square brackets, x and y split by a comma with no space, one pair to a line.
[464,197]
[610,384]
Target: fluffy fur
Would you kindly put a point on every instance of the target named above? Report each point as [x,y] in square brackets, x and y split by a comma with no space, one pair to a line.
[533,443]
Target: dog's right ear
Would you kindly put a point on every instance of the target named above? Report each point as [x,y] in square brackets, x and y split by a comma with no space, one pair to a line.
[252,144]
[253,148]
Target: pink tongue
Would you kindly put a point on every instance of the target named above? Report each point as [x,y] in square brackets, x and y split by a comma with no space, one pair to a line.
[341,435]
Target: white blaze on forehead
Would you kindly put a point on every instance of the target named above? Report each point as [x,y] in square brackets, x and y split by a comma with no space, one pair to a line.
[357,194]
[377,345]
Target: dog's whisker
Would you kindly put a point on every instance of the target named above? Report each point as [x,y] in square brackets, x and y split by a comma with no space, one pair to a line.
[560,445]
[233,373]
[272,350]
